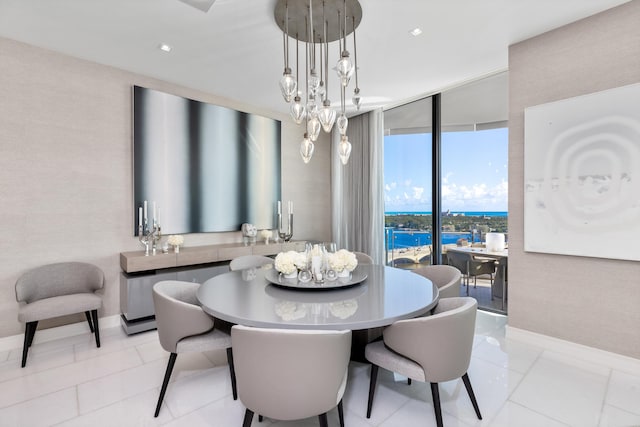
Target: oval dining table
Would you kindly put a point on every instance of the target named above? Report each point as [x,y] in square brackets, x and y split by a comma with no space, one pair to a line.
[387,294]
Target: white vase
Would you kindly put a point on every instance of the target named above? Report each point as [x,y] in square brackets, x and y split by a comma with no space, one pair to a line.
[176,248]
[293,275]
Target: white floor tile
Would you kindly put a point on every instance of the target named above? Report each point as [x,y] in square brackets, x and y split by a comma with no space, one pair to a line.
[38,384]
[505,353]
[195,391]
[417,413]
[225,412]
[615,417]
[624,392]
[136,411]
[37,362]
[562,391]
[42,411]
[108,390]
[513,414]
[111,343]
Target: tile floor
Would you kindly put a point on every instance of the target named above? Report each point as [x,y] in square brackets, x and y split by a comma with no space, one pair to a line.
[69,382]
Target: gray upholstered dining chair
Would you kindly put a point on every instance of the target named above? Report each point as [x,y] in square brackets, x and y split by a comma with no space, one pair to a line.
[445,277]
[184,327]
[471,266]
[249,261]
[363,258]
[290,374]
[56,290]
[432,349]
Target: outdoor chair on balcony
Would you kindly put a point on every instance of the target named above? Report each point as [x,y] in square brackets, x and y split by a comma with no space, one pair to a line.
[470,266]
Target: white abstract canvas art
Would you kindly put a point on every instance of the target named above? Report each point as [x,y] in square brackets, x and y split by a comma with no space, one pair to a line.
[582,175]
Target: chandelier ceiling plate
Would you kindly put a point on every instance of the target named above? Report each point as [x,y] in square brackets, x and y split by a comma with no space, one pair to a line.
[299,10]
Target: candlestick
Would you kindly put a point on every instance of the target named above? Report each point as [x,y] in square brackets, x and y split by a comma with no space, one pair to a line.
[153,204]
[290,207]
[279,207]
[145,212]
[140,216]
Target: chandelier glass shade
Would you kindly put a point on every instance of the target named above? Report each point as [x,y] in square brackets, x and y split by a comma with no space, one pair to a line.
[319,24]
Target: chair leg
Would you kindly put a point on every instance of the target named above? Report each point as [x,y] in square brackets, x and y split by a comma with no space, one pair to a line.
[323,420]
[341,413]
[260,418]
[165,383]
[232,373]
[248,417]
[29,332]
[372,388]
[94,314]
[435,393]
[408,381]
[472,396]
[88,316]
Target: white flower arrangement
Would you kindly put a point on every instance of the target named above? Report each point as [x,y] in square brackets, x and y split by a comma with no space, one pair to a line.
[285,262]
[266,234]
[342,260]
[175,240]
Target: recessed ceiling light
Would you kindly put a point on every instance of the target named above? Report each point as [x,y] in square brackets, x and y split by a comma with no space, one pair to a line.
[165,47]
[415,32]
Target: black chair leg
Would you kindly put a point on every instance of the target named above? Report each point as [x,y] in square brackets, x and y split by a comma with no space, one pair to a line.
[323,420]
[165,383]
[341,413]
[472,396]
[94,314]
[260,418]
[232,373]
[29,332]
[435,393]
[372,388]
[88,316]
[248,417]
[408,381]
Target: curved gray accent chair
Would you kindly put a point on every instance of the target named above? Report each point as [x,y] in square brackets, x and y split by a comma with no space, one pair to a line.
[445,277]
[249,261]
[432,349]
[291,374]
[363,258]
[56,290]
[471,266]
[184,327]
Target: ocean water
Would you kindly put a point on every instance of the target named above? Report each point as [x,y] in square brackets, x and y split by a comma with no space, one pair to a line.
[467,213]
[407,239]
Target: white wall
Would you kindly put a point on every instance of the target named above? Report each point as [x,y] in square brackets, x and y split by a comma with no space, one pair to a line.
[66,170]
[590,301]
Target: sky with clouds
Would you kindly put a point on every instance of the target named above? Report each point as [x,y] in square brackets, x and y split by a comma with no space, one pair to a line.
[474,171]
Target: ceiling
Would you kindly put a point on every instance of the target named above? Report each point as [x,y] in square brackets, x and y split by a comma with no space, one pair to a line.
[234,50]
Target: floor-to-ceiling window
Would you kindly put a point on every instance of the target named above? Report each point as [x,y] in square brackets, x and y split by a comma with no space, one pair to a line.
[470,152]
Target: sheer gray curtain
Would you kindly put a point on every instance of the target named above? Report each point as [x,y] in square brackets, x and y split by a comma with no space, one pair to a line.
[357,188]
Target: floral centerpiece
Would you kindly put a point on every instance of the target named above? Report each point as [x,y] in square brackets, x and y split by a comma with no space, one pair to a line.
[289,262]
[175,241]
[266,235]
[342,262]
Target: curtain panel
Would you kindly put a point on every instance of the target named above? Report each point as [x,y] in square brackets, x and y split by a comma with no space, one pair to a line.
[357,187]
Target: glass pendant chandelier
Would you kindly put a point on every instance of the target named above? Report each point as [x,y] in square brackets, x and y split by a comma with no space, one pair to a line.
[310,103]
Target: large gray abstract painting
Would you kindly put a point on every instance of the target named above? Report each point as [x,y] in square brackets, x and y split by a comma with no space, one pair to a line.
[582,175]
[208,168]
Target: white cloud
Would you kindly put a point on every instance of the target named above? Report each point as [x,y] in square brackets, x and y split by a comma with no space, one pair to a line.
[417,193]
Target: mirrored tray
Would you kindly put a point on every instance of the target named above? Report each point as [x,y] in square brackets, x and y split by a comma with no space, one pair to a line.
[357,276]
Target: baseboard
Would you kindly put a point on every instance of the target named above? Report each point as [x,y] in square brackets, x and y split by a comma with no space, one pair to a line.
[579,351]
[50,334]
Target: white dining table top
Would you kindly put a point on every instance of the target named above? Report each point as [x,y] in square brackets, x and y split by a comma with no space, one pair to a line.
[480,251]
[386,295]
